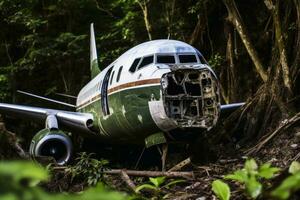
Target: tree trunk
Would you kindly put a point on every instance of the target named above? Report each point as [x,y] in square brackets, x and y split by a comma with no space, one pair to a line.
[198,30]
[236,20]
[144,6]
[280,42]
[231,78]
[295,66]
[170,10]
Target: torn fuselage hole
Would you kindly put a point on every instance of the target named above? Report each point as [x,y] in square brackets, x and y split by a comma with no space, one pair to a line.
[191,97]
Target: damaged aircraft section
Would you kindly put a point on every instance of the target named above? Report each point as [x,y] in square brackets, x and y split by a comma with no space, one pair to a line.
[149,95]
[191,96]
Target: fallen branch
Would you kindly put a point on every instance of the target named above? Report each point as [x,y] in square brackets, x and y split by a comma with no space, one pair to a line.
[173,174]
[187,175]
[180,165]
[127,180]
[193,186]
[284,125]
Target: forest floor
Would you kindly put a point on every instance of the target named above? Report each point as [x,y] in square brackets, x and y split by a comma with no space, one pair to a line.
[280,151]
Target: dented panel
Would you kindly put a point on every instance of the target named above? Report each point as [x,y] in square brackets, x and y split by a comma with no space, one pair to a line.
[160,117]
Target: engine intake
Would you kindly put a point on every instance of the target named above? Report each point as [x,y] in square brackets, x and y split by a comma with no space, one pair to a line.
[52,143]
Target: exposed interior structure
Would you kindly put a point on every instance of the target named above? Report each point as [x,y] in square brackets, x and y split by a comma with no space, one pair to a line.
[191,97]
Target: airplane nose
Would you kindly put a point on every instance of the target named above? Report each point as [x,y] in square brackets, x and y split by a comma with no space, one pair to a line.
[191,97]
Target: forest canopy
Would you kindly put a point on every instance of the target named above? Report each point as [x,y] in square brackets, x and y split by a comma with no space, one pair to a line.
[45,44]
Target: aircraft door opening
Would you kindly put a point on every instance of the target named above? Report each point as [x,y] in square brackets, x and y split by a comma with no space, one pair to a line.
[104,98]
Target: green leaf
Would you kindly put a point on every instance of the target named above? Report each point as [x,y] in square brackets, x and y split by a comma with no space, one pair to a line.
[239,175]
[253,187]
[221,190]
[98,193]
[20,170]
[157,181]
[266,171]
[294,167]
[174,182]
[145,186]
[289,185]
[251,166]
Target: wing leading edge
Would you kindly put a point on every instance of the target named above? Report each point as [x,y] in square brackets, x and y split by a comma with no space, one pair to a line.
[227,109]
[70,120]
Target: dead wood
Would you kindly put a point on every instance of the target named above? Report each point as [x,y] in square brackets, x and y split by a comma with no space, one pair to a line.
[187,175]
[10,147]
[283,126]
[127,180]
[173,174]
[180,165]
[193,186]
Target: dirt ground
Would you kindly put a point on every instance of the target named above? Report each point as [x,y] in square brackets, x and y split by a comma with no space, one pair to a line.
[280,151]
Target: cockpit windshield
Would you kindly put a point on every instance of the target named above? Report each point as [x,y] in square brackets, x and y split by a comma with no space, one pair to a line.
[165,59]
[187,58]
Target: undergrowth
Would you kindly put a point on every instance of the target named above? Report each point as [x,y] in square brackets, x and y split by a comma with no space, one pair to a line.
[256,181]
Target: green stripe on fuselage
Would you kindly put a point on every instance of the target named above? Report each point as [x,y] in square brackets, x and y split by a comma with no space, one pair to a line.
[130,120]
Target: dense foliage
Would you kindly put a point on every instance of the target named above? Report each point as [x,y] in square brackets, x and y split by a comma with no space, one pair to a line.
[254,180]
[45,44]
[19,180]
[252,45]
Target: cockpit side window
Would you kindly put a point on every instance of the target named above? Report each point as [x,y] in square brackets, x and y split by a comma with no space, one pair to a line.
[201,58]
[112,77]
[165,59]
[146,61]
[119,73]
[187,58]
[134,65]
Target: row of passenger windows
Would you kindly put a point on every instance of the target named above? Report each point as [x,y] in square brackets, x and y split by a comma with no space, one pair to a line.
[118,75]
[139,63]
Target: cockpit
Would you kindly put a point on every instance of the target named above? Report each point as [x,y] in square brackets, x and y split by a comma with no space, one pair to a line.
[167,58]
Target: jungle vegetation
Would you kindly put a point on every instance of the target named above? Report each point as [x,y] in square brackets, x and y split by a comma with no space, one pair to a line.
[254,47]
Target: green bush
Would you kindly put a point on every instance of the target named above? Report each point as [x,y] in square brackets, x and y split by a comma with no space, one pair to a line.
[19,180]
[88,168]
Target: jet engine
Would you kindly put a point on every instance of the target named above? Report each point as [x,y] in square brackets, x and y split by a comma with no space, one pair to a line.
[52,143]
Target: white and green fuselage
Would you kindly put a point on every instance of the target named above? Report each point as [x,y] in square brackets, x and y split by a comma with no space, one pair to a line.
[157,86]
[158,91]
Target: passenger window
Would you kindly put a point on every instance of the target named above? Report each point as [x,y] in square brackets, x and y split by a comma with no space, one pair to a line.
[166,59]
[119,73]
[134,65]
[187,59]
[112,77]
[146,61]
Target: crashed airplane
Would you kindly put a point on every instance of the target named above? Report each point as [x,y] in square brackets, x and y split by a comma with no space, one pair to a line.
[155,93]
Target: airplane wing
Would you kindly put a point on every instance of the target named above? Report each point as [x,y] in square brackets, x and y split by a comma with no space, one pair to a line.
[227,109]
[70,120]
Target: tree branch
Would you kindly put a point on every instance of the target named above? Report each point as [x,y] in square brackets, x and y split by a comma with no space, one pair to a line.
[236,20]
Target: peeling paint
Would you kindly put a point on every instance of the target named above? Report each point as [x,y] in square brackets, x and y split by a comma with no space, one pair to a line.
[160,117]
[140,118]
[123,110]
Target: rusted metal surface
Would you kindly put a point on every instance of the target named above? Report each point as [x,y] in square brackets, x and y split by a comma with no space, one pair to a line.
[191,97]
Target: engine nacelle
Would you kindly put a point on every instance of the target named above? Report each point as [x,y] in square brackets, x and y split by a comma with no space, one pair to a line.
[52,143]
